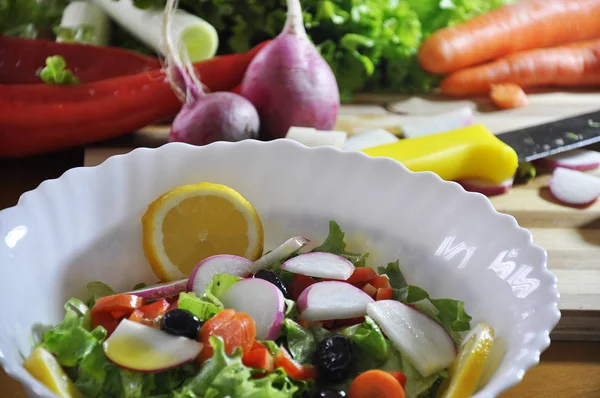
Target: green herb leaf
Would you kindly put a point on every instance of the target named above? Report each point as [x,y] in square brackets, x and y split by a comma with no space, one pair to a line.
[334,243]
[55,72]
[98,290]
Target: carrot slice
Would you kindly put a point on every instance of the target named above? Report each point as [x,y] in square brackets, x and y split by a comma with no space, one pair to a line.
[380,282]
[384,294]
[401,377]
[376,384]
[508,96]
[237,329]
[259,359]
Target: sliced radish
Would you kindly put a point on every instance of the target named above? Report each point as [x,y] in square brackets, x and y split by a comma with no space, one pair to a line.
[204,271]
[145,349]
[369,139]
[161,290]
[576,159]
[332,300]
[312,137]
[260,299]
[574,187]
[424,341]
[439,123]
[320,265]
[485,187]
[288,248]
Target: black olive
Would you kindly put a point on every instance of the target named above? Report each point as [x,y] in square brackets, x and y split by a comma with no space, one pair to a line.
[329,393]
[334,357]
[274,279]
[181,323]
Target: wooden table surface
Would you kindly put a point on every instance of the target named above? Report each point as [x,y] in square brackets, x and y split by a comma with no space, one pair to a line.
[567,369]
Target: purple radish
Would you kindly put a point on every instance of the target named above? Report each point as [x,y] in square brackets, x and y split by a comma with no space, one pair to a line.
[574,187]
[424,341]
[290,83]
[576,159]
[204,117]
[261,300]
[161,290]
[485,187]
[320,265]
[204,271]
[332,300]
[145,349]
[282,252]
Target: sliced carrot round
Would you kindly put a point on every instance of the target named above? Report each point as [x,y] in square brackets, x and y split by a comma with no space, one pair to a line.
[376,384]
[237,329]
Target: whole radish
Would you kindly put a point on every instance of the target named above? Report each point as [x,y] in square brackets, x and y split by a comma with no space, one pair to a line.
[204,117]
[290,83]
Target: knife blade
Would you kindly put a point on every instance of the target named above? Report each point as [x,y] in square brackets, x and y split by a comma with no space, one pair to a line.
[474,152]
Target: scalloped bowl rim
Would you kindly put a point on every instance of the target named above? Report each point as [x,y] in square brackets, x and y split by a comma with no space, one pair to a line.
[539,343]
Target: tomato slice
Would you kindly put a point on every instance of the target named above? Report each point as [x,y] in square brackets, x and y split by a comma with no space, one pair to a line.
[292,368]
[237,329]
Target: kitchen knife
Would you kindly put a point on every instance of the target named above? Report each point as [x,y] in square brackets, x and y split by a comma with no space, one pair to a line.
[474,152]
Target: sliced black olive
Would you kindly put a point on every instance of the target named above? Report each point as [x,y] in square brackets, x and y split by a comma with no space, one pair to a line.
[334,358]
[274,279]
[329,393]
[179,322]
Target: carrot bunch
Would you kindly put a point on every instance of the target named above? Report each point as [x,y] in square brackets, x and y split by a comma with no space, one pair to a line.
[531,43]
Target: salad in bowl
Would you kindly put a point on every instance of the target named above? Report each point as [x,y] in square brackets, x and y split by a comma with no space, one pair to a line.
[291,322]
[156,274]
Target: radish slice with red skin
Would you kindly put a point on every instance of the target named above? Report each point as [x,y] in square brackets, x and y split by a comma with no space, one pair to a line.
[161,290]
[439,123]
[288,248]
[145,349]
[576,159]
[574,187]
[424,341]
[332,300]
[260,299]
[485,187]
[320,265]
[204,271]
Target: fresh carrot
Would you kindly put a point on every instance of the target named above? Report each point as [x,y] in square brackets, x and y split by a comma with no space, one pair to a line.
[361,275]
[380,281]
[292,368]
[259,359]
[237,329]
[384,293]
[508,96]
[23,58]
[567,66]
[401,377]
[524,25]
[376,384]
[86,113]
[369,289]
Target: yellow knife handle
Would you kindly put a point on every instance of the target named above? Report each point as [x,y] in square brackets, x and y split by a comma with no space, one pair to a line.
[467,152]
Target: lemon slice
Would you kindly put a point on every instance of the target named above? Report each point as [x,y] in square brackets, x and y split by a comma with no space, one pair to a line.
[45,368]
[193,222]
[465,371]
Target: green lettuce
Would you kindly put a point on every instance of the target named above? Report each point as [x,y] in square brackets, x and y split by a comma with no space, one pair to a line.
[97,290]
[368,337]
[301,343]
[334,243]
[199,306]
[30,18]
[225,375]
[449,313]
[218,285]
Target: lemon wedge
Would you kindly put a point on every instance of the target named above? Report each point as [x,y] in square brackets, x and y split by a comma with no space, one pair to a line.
[193,222]
[466,370]
[45,368]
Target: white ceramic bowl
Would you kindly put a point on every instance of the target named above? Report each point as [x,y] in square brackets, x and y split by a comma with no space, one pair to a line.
[85,226]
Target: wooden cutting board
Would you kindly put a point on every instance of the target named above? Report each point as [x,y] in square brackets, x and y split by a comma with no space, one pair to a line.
[571,236]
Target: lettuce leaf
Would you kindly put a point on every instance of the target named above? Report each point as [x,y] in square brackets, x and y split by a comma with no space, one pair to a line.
[226,376]
[200,307]
[449,313]
[301,343]
[368,337]
[219,284]
[334,243]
